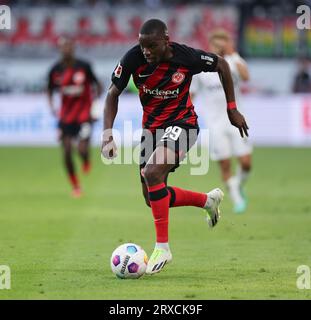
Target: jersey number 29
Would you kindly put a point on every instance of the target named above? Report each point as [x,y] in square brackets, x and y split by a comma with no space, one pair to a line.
[172,133]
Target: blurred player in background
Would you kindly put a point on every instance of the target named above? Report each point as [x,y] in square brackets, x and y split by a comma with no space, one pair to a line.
[225,141]
[302,79]
[163,70]
[78,86]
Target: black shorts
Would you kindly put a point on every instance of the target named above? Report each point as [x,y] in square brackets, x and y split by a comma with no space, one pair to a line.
[76,130]
[179,138]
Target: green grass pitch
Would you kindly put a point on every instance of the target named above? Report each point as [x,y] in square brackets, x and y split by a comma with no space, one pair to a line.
[59,248]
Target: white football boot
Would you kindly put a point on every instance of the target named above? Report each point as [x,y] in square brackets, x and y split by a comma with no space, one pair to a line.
[214,198]
[159,258]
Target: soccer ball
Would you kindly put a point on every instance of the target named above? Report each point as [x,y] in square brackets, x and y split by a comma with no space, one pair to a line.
[129,261]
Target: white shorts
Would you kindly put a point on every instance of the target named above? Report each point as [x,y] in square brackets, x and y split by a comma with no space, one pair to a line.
[226,142]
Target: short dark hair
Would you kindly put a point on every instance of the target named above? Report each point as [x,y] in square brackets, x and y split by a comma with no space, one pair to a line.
[154,26]
[219,33]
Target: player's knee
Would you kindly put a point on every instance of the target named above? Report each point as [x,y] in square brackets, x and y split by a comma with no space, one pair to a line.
[246,166]
[83,154]
[147,201]
[152,175]
[145,193]
[82,149]
[67,155]
[225,167]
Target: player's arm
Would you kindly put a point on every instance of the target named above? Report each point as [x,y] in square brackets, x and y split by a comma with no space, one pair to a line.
[238,61]
[110,111]
[120,79]
[50,90]
[243,71]
[241,66]
[235,117]
[50,101]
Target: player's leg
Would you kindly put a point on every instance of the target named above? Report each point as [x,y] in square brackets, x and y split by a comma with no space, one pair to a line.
[155,172]
[232,183]
[242,149]
[244,169]
[144,188]
[243,172]
[163,160]
[160,197]
[84,153]
[181,197]
[145,193]
[159,165]
[179,143]
[84,146]
[225,169]
[69,165]
[221,151]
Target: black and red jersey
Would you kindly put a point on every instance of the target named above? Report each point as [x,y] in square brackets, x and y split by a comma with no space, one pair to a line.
[74,82]
[164,88]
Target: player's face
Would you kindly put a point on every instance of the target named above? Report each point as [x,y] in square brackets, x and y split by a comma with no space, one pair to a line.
[67,48]
[154,47]
[218,46]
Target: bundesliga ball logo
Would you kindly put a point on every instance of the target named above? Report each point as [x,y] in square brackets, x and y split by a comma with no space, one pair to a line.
[129,261]
[118,71]
[178,77]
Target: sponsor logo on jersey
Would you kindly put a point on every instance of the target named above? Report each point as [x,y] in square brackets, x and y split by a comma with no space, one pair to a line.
[161,94]
[144,75]
[209,60]
[178,77]
[72,90]
[78,77]
[118,71]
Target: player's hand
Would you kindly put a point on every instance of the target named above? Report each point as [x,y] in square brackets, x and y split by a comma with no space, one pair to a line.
[109,148]
[238,120]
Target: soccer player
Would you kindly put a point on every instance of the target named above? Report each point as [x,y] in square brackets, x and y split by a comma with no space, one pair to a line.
[77,84]
[225,141]
[162,70]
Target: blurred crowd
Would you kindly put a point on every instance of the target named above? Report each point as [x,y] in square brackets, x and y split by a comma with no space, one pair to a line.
[265,28]
[154,3]
[104,29]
